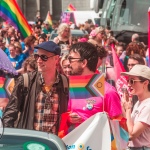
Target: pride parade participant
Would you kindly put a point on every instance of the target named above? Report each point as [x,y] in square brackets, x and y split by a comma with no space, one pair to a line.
[138,120]
[83,59]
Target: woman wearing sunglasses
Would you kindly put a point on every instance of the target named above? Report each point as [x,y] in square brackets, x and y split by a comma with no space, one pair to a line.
[138,120]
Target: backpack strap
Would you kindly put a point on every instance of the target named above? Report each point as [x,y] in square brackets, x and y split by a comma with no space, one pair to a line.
[26,80]
[26,83]
[25,90]
[65,82]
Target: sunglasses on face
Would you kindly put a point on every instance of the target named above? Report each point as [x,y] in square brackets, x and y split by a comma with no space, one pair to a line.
[131,81]
[43,57]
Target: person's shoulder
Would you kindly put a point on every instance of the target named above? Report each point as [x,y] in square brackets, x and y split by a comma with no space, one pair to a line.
[64,78]
[33,74]
[109,89]
[146,103]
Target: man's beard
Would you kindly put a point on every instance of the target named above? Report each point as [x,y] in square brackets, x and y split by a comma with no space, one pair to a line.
[78,71]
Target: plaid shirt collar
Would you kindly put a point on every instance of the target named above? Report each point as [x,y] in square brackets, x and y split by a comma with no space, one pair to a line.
[56,81]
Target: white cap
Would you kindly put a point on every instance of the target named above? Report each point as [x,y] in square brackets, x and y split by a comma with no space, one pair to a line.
[138,70]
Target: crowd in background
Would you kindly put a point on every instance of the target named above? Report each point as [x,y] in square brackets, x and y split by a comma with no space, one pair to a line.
[18,49]
[22,52]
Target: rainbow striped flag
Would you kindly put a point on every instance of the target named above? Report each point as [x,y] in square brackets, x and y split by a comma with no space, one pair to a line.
[81,87]
[49,18]
[71,8]
[10,11]
[3,93]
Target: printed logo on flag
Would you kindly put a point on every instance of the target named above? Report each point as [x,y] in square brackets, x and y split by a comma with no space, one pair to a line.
[79,147]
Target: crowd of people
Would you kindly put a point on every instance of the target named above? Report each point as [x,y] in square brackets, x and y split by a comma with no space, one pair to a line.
[47,98]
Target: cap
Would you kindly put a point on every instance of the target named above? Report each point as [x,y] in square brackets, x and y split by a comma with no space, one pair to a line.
[96,31]
[138,70]
[49,46]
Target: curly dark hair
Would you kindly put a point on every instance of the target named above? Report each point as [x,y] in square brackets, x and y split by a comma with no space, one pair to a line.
[87,51]
[31,62]
[135,48]
[101,51]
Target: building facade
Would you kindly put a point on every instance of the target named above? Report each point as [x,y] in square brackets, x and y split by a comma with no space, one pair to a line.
[31,8]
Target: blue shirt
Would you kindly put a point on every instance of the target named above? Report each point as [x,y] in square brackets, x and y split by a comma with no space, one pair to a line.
[18,61]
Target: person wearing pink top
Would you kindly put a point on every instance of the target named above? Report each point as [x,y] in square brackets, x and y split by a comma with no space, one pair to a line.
[83,58]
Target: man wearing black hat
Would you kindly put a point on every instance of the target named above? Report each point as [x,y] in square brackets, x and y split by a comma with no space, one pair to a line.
[46,98]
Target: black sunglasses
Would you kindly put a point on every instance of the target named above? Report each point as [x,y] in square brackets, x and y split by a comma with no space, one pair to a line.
[43,57]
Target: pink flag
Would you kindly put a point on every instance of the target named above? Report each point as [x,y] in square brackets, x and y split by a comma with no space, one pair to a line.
[121,81]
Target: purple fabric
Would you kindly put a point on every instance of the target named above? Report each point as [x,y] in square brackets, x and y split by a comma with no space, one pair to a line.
[5,63]
[5,17]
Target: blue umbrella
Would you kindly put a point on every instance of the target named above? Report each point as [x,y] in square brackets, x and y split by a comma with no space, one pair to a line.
[5,64]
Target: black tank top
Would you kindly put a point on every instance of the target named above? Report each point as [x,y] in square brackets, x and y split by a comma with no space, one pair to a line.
[63,42]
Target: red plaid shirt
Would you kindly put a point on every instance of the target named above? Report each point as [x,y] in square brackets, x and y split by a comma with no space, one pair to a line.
[46,111]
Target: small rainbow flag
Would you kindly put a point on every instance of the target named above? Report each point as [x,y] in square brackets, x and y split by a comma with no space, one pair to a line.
[3,93]
[49,18]
[10,11]
[71,8]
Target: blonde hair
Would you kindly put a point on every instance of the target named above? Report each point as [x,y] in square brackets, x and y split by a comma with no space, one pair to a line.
[62,28]
[64,57]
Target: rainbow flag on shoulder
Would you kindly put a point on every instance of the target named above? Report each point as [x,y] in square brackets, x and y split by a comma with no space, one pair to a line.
[10,11]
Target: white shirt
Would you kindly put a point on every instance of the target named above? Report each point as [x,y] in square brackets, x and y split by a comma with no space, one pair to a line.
[141,113]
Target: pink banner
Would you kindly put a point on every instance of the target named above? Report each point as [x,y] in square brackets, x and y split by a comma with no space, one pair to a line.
[121,81]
